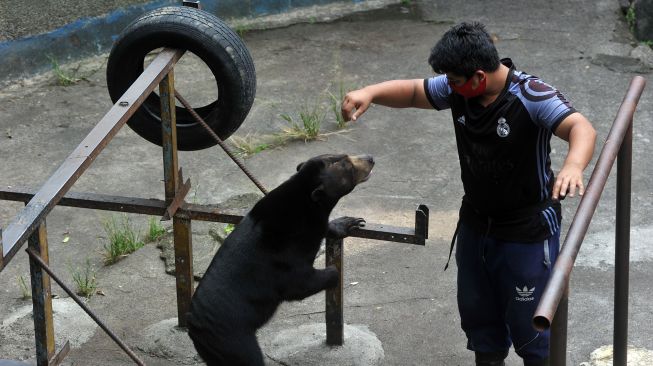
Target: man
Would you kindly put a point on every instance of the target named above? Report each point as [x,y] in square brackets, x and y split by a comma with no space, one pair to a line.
[509,226]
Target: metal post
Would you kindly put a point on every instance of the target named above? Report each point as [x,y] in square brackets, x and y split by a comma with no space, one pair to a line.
[558,343]
[181,224]
[41,298]
[564,264]
[622,249]
[334,303]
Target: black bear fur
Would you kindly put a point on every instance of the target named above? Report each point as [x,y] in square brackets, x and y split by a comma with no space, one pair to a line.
[268,259]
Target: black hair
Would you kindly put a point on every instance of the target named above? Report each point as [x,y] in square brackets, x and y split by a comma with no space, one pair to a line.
[463,49]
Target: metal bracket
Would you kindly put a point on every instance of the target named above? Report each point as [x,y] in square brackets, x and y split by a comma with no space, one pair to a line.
[192,3]
[58,358]
[180,194]
[422,224]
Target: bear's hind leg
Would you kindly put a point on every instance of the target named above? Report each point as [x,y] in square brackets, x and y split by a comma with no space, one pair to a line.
[244,350]
[234,350]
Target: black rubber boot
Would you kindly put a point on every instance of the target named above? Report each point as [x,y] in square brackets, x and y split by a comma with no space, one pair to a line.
[490,358]
[544,362]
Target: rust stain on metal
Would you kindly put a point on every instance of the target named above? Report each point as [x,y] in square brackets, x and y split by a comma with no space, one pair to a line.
[58,359]
[41,297]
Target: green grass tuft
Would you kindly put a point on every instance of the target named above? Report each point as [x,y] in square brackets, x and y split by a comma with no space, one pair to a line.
[309,126]
[122,237]
[155,230]
[64,78]
[85,279]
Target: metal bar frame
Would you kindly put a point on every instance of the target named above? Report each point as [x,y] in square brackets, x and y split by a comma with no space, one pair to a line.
[618,142]
[17,232]
[174,189]
[30,222]
[212,213]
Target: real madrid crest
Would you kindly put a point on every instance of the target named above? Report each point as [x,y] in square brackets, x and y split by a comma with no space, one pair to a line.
[503,129]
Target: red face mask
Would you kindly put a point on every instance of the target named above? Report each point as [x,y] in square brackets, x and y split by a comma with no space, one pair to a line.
[466,89]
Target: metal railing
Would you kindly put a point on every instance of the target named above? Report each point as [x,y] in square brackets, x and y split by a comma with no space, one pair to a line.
[554,301]
[29,224]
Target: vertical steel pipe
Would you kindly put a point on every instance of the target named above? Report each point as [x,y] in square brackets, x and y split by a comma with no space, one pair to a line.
[41,297]
[559,279]
[622,249]
[558,343]
[181,225]
[334,300]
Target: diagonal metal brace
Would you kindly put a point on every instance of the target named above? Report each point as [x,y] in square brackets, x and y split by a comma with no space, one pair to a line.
[58,358]
[180,194]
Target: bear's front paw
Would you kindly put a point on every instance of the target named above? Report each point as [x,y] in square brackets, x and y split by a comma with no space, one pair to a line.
[341,227]
[332,276]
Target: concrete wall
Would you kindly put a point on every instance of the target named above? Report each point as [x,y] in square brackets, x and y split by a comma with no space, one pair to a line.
[33,30]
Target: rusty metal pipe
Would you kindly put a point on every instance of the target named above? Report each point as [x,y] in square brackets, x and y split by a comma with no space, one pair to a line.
[212,213]
[221,143]
[36,258]
[561,271]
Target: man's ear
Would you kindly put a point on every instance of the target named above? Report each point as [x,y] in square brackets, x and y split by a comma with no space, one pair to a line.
[481,75]
[318,193]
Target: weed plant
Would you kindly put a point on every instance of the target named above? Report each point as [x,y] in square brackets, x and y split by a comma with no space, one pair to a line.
[85,280]
[229,228]
[155,230]
[26,292]
[309,126]
[123,239]
[249,145]
[65,78]
[335,106]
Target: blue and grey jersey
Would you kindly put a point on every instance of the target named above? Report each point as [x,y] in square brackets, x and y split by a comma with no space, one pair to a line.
[504,154]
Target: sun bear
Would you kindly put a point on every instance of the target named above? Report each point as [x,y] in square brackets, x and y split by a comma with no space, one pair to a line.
[269,256]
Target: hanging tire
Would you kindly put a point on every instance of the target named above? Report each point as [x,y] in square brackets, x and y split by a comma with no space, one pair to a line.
[210,39]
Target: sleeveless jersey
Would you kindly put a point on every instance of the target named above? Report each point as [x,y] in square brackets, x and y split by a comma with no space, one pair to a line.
[504,155]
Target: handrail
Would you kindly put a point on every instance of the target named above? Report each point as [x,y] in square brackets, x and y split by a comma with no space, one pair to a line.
[17,232]
[560,274]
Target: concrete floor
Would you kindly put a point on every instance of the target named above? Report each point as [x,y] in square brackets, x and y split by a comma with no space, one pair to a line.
[398,293]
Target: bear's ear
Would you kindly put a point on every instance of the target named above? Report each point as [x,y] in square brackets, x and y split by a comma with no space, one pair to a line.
[299,166]
[318,193]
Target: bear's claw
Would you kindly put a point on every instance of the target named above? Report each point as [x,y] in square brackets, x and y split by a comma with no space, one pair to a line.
[342,227]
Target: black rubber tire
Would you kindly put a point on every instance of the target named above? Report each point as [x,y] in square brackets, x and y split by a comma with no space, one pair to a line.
[214,43]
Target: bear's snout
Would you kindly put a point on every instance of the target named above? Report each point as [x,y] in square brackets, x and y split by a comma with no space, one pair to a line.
[363,165]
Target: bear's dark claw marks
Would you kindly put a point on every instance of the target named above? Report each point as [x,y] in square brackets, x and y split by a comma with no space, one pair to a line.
[342,227]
